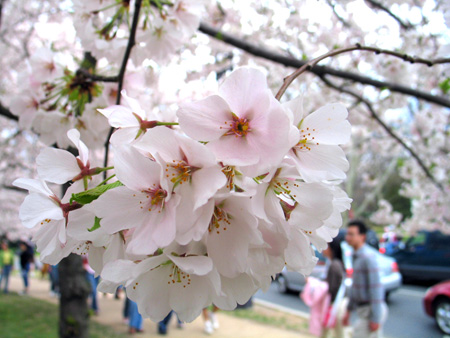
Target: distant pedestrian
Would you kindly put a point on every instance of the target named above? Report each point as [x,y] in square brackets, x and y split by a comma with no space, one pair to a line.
[135,318]
[210,319]
[54,280]
[93,281]
[26,258]
[367,293]
[336,289]
[163,324]
[6,264]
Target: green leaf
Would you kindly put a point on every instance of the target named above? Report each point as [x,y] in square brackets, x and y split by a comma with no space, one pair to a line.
[88,196]
[96,224]
[445,86]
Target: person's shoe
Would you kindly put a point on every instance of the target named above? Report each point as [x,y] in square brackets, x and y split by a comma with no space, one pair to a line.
[214,320]
[209,329]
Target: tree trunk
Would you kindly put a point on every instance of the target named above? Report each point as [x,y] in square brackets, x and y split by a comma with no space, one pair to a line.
[74,288]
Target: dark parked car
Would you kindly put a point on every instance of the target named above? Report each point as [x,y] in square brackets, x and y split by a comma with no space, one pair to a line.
[425,256]
[437,305]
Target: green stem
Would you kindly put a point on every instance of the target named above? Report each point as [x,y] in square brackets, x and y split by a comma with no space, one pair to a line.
[167,123]
[106,180]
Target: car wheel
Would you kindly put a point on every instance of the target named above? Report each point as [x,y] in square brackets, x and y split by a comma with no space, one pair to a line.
[442,315]
[282,284]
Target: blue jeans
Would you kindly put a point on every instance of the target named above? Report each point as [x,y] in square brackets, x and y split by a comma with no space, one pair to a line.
[94,282]
[162,325]
[5,276]
[134,316]
[25,272]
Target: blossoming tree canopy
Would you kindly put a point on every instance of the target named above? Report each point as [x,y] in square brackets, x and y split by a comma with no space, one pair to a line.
[197,217]
[210,184]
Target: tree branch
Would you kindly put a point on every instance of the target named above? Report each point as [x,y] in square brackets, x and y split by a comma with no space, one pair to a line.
[120,76]
[378,5]
[319,70]
[390,132]
[336,14]
[7,113]
[310,64]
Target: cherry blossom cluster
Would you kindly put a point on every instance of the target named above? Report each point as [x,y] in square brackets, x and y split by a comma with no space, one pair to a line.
[205,209]
[103,27]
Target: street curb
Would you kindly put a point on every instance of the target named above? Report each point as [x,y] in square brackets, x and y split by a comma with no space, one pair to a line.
[281,308]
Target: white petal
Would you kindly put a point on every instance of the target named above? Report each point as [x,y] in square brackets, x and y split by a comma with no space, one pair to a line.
[330,124]
[204,120]
[199,265]
[32,185]
[36,208]
[242,89]
[83,151]
[57,165]
[134,170]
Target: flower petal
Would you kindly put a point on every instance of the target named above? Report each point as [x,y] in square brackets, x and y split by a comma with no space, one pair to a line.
[57,165]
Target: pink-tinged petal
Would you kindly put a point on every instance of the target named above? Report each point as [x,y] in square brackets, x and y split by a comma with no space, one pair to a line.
[36,208]
[205,183]
[204,120]
[315,196]
[228,244]
[118,271]
[119,209]
[134,170]
[198,265]
[197,153]
[148,264]
[296,108]
[134,104]
[74,136]
[160,140]
[237,290]
[330,124]
[142,243]
[233,150]
[57,165]
[242,89]
[299,255]
[189,301]
[321,162]
[120,116]
[124,135]
[32,185]
[164,228]
[192,231]
[146,297]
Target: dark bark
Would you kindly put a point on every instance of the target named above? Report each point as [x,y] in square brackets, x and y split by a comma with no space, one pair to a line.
[74,288]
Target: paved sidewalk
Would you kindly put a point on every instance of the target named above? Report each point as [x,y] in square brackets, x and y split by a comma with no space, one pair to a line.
[111,315]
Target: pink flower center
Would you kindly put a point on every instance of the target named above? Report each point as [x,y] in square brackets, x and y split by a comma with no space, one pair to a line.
[220,220]
[155,198]
[239,127]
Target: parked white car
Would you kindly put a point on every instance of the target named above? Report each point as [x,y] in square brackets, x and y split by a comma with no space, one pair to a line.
[390,275]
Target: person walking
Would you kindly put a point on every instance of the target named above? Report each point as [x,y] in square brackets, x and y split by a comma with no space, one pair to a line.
[26,258]
[6,264]
[366,293]
[334,279]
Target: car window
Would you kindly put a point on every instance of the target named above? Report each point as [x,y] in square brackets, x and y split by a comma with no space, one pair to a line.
[439,241]
[417,241]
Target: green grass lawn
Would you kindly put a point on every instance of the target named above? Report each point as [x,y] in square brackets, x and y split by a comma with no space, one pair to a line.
[26,317]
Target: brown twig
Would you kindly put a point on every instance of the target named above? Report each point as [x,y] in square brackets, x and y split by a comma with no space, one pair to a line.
[380,6]
[388,130]
[310,64]
[120,76]
[319,70]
